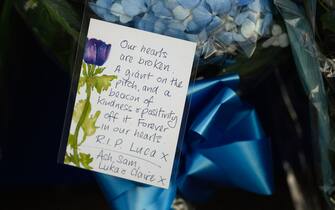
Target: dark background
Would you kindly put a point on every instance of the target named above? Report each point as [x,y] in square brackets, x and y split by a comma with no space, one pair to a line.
[34,97]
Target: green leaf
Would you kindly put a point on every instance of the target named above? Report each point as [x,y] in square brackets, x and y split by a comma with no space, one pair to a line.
[99,70]
[68,158]
[90,70]
[88,125]
[78,110]
[328,21]
[82,81]
[103,82]
[63,13]
[71,141]
[84,69]
[85,160]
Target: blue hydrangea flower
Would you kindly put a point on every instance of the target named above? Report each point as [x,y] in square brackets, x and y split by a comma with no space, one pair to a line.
[218,26]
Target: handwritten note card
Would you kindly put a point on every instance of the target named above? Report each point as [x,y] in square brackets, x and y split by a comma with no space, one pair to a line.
[129,104]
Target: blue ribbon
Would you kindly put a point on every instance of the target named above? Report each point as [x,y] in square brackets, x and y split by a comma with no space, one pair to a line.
[224,146]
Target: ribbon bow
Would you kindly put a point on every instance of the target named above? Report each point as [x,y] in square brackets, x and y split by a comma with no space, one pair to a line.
[224,146]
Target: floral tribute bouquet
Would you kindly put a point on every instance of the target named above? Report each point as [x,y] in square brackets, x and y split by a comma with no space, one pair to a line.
[239,42]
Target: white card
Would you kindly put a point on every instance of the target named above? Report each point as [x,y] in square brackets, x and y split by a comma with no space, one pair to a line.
[130,103]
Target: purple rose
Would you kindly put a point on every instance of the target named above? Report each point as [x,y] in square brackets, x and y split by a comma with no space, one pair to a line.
[96,52]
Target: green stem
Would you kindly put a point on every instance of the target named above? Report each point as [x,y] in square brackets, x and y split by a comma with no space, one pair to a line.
[80,122]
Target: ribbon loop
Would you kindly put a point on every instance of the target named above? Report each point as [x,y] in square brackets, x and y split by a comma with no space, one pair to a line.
[225,146]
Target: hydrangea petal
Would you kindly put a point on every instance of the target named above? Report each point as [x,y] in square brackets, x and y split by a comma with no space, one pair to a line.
[102,9]
[181,13]
[134,7]
[240,18]
[234,11]
[248,28]
[118,10]
[203,36]
[199,38]
[192,37]
[238,37]
[225,37]
[125,18]
[255,6]
[230,26]
[243,2]
[192,27]
[259,24]
[253,38]
[253,16]
[266,24]
[187,20]
[160,10]
[201,16]
[147,22]
[214,24]
[266,6]
[171,4]
[175,32]
[104,4]
[160,25]
[188,4]
[219,6]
